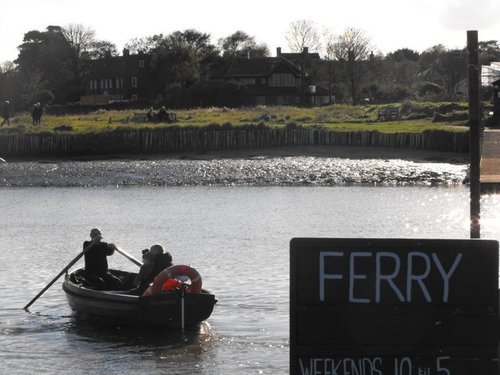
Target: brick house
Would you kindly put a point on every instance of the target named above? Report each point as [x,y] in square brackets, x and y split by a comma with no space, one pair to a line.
[280,80]
[121,78]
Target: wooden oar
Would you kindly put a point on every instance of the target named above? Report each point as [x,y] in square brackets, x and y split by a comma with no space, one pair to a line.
[65,269]
[128,256]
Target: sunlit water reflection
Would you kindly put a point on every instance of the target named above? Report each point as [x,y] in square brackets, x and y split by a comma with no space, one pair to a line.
[236,236]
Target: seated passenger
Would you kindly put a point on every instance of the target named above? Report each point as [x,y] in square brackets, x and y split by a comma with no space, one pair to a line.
[162,259]
[154,260]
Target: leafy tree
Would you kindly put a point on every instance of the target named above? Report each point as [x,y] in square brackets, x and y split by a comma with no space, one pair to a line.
[44,97]
[242,45]
[184,57]
[489,51]
[396,75]
[146,45]
[452,67]
[403,54]
[446,68]
[428,59]
[10,85]
[31,84]
[49,55]
[99,49]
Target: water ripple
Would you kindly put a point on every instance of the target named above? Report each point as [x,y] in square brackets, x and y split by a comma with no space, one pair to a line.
[261,171]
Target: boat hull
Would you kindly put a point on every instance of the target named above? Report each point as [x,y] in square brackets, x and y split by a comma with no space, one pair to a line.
[173,309]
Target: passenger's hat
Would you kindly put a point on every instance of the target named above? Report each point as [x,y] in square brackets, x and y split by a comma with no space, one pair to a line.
[156,249]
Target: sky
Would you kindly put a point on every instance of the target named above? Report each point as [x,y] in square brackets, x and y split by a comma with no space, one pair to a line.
[390,24]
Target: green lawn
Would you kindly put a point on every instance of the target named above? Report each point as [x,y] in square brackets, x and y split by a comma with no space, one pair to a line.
[334,117]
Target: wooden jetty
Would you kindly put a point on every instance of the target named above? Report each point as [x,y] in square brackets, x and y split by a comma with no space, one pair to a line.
[490,161]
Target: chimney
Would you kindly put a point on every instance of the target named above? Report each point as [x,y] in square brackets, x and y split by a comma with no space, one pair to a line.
[278,51]
[126,52]
[305,50]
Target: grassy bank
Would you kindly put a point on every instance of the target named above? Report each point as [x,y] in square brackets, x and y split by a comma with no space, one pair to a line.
[413,118]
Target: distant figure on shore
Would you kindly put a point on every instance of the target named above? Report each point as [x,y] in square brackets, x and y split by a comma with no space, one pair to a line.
[6,113]
[162,114]
[36,114]
[151,114]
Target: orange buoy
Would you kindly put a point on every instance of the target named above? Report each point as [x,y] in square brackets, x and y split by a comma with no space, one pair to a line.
[171,285]
[170,273]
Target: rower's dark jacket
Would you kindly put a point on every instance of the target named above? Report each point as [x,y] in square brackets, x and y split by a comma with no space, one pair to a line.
[95,259]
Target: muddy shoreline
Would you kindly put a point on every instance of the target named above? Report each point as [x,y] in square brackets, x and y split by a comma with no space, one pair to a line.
[295,166]
[347,152]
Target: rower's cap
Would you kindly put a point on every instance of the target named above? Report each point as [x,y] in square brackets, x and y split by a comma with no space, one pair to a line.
[94,232]
[156,249]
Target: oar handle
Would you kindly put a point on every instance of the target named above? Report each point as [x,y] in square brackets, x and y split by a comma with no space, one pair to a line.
[129,257]
[65,269]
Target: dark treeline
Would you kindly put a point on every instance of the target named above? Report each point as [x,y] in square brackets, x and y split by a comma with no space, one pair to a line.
[51,65]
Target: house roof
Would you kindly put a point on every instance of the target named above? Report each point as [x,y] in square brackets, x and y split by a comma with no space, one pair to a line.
[118,62]
[300,55]
[257,67]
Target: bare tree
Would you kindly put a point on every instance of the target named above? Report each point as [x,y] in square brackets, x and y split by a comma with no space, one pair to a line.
[329,43]
[7,66]
[79,37]
[352,49]
[303,33]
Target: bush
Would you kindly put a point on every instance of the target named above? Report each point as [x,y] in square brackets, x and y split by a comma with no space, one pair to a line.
[291,125]
[215,93]
[414,111]
[44,97]
[430,91]
[457,116]
[384,94]
[63,128]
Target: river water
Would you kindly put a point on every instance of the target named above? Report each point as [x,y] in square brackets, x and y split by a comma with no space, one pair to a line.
[233,225]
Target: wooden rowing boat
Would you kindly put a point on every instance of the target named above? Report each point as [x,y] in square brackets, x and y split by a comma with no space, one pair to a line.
[173,309]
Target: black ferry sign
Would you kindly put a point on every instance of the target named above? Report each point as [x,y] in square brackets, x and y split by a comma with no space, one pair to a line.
[393,306]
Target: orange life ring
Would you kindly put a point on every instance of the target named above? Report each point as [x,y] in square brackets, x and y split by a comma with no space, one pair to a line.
[170,273]
[170,285]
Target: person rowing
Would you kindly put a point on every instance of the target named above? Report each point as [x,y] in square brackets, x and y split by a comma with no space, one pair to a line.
[96,263]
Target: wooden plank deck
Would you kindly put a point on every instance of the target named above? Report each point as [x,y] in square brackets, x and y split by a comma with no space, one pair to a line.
[490,160]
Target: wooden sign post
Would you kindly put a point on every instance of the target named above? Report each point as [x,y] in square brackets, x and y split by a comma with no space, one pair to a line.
[393,307]
[474,81]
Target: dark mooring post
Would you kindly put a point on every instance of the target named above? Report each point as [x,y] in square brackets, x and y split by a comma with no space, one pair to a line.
[474,132]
